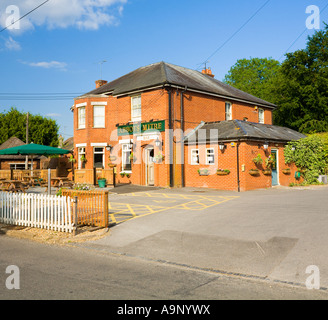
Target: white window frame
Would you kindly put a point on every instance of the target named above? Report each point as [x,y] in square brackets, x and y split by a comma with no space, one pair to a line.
[210,154]
[102,125]
[136,106]
[126,160]
[80,124]
[261,116]
[22,165]
[99,152]
[194,154]
[80,152]
[228,113]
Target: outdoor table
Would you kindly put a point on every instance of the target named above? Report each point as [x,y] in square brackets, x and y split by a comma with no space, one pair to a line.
[13,185]
[31,179]
[59,181]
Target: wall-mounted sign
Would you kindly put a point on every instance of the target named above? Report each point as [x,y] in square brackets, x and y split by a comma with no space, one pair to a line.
[139,128]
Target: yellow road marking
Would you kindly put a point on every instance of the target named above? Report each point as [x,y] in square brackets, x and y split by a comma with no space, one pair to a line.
[137,211]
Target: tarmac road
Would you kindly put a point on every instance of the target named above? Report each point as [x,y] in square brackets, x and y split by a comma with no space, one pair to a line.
[273,234]
[253,245]
[65,273]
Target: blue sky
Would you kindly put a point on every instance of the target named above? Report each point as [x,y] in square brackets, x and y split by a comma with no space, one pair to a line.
[58,47]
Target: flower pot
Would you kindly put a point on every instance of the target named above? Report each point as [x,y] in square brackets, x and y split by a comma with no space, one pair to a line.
[102,183]
[286,171]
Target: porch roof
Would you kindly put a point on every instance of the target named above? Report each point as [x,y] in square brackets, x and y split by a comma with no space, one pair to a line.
[235,130]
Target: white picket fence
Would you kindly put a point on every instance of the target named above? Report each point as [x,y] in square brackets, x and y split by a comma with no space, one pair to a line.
[36,210]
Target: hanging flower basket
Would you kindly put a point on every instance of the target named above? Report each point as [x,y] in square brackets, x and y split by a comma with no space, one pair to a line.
[221,172]
[267,172]
[286,171]
[254,172]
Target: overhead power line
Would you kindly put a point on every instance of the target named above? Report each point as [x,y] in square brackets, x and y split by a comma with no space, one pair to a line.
[39,96]
[5,28]
[234,34]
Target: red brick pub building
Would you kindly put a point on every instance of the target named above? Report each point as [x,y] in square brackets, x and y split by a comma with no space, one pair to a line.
[169,126]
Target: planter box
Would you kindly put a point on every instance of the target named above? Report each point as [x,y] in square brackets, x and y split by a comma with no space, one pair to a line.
[286,171]
[254,172]
[267,172]
[222,173]
[204,173]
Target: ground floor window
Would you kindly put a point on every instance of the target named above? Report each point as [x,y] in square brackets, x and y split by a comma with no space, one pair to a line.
[126,157]
[210,156]
[98,158]
[194,156]
[81,158]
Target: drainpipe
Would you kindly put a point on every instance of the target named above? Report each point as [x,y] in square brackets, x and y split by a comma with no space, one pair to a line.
[170,139]
[182,138]
[238,176]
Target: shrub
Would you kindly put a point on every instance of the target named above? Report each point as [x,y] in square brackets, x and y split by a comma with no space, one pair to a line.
[310,155]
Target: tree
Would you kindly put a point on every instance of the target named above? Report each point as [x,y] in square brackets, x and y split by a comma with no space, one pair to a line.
[41,130]
[255,76]
[302,90]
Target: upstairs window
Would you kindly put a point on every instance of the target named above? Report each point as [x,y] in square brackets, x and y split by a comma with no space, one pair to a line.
[228,111]
[99,117]
[81,118]
[261,116]
[136,108]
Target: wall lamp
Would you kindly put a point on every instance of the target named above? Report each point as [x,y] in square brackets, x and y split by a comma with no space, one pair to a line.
[109,147]
[222,146]
[266,145]
[158,143]
[293,148]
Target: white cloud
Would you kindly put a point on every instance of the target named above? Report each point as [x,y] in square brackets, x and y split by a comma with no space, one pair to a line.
[12,45]
[48,65]
[82,14]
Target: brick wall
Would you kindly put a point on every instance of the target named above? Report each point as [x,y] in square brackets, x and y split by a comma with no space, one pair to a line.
[197,108]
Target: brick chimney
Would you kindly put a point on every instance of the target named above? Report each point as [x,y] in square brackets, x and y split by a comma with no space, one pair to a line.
[100,83]
[208,72]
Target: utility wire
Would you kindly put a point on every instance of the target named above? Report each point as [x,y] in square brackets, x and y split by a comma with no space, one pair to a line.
[25,15]
[233,35]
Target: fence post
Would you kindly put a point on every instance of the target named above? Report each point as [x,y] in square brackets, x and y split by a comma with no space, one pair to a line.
[49,181]
[106,209]
[75,221]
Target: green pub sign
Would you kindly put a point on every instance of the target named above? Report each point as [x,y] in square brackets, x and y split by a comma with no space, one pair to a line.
[139,128]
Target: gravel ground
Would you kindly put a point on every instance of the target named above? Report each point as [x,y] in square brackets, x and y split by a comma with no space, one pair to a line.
[50,236]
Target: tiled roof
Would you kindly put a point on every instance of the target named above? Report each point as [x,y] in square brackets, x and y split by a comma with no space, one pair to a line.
[165,74]
[241,130]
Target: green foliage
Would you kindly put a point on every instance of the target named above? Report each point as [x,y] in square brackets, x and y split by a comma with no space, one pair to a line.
[310,155]
[41,130]
[254,76]
[298,86]
[301,89]
[258,159]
